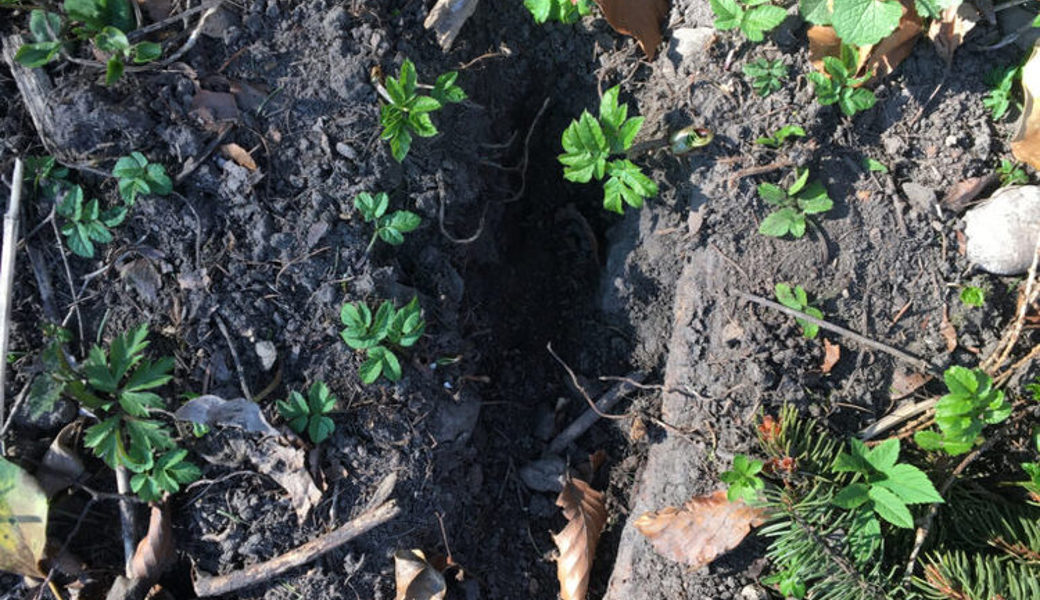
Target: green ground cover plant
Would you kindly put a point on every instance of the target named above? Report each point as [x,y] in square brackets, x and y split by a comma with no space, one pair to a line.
[969,406]
[377,334]
[765,75]
[136,175]
[999,99]
[1011,173]
[85,222]
[389,227]
[407,112]
[743,479]
[310,414]
[753,17]
[589,143]
[840,87]
[792,205]
[798,299]
[563,11]
[781,135]
[973,296]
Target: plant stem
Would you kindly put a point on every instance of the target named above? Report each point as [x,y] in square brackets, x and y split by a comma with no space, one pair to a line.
[372,242]
[7,261]
[126,518]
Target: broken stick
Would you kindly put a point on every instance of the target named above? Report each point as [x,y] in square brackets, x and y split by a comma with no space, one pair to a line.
[216,585]
[7,274]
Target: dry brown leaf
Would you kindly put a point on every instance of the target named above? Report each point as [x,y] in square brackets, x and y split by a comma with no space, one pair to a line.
[831,355]
[949,333]
[154,552]
[906,382]
[822,42]
[61,466]
[212,108]
[702,530]
[947,32]
[416,578]
[586,515]
[238,154]
[960,194]
[1025,145]
[641,20]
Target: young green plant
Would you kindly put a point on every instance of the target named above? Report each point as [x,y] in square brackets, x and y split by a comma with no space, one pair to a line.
[862,23]
[135,175]
[780,136]
[389,227]
[407,112]
[85,222]
[973,296]
[753,17]
[563,11]
[310,414]
[765,75]
[961,414]
[589,143]
[743,479]
[793,205]
[999,98]
[838,86]
[1011,173]
[376,335]
[797,299]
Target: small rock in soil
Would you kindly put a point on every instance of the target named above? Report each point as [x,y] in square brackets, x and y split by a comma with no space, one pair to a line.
[267,353]
[1002,231]
[544,474]
[921,198]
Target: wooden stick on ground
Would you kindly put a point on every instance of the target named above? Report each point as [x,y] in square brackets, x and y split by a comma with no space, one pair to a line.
[211,585]
[7,274]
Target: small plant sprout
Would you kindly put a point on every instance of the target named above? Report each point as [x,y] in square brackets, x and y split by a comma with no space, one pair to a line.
[780,136]
[973,296]
[564,11]
[744,482]
[310,414]
[407,113]
[390,227]
[753,17]
[792,205]
[797,299]
[970,405]
[377,334]
[1001,82]
[765,75]
[1011,173]
[838,86]
[882,485]
[787,583]
[1032,485]
[86,223]
[588,144]
[138,176]
[875,166]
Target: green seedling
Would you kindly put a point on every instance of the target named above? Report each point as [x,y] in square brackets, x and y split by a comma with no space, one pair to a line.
[797,299]
[883,485]
[407,112]
[753,17]
[390,227]
[138,176]
[563,11]
[787,583]
[117,386]
[1011,173]
[310,414]
[765,75]
[973,296]
[970,405]
[588,144]
[780,136]
[840,88]
[377,334]
[862,23]
[1032,485]
[103,22]
[875,166]
[744,482]
[1001,82]
[85,222]
[792,205]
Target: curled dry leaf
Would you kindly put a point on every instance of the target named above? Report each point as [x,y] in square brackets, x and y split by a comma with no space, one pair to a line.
[238,154]
[586,515]
[1025,145]
[831,355]
[61,466]
[702,530]
[23,521]
[962,193]
[641,20]
[155,551]
[416,578]
[947,32]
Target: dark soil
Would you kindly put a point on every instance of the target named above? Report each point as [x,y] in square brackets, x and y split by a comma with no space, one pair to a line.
[276,252]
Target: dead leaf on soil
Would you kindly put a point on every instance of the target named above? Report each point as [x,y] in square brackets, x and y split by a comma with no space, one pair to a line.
[831,355]
[823,41]
[641,20]
[949,333]
[702,530]
[215,411]
[61,466]
[586,515]
[906,382]
[947,32]
[142,275]
[214,108]
[238,154]
[23,521]
[155,551]
[1025,145]
[416,578]
[962,193]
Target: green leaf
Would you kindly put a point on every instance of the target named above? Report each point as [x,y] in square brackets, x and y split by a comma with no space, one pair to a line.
[23,521]
[627,182]
[371,207]
[585,150]
[113,70]
[423,104]
[627,133]
[405,221]
[728,14]
[960,381]
[112,40]
[445,91]
[875,166]
[864,22]
[890,508]
[814,199]
[810,330]
[320,428]
[37,54]
[539,9]
[146,52]
[159,182]
[400,144]
[851,496]
[928,440]
[910,484]
[884,456]
[88,12]
[761,19]
[772,194]
[106,441]
[44,26]
[781,222]
[612,116]
[799,183]
[390,236]
[785,295]
[408,78]
[817,12]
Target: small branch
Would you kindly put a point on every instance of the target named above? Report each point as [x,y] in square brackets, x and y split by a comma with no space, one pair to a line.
[234,356]
[194,37]
[210,585]
[7,262]
[527,147]
[126,519]
[140,33]
[1010,338]
[906,357]
[899,415]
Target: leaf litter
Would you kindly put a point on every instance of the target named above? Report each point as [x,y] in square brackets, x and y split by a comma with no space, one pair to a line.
[586,515]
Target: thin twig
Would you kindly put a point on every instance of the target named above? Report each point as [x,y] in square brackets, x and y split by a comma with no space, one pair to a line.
[444,229]
[1011,337]
[194,37]
[919,363]
[7,262]
[234,356]
[527,147]
[72,287]
[140,33]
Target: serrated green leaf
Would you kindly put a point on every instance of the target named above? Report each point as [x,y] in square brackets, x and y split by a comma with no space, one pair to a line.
[320,428]
[864,22]
[761,19]
[781,222]
[928,440]
[422,125]
[146,52]
[910,484]
[884,456]
[728,14]
[890,508]
[111,40]
[772,194]
[113,70]
[817,12]
[851,496]
[37,54]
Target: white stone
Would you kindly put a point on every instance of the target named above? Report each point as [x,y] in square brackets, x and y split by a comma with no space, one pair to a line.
[1002,231]
[267,353]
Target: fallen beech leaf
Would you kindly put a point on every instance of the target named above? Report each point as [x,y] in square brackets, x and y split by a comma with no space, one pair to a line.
[960,194]
[947,32]
[906,382]
[416,578]
[823,41]
[215,411]
[1025,145]
[23,521]
[238,154]
[155,551]
[702,530]
[949,333]
[61,466]
[641,20]
[831,355]
[586,515]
